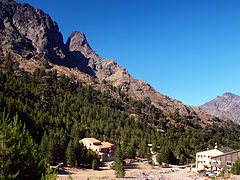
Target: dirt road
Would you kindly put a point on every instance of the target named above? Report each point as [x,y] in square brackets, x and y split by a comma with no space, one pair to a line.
[137,171]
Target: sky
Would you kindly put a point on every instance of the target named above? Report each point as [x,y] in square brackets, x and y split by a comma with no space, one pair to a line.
[188,50]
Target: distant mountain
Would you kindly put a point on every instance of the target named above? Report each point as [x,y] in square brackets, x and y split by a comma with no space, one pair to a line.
[31,37]
[226,106]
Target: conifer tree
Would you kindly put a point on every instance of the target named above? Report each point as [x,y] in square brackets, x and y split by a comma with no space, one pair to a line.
[154,146]
[236,167]
[165,156]
[19,154]
[142,149]
[70,154]
[119,168]
[118,159]
[130,151]
[94,164]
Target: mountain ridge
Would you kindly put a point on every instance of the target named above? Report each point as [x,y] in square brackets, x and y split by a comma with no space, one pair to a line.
[31,37]
[226,106]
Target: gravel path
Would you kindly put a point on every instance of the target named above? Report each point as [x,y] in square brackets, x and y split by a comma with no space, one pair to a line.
[141,171]
[168,174]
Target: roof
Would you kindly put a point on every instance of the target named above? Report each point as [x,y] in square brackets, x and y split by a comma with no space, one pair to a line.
[99,143]
[217,152]
[93,140]
[225,149]
[227,153]
[106,145]
[212,152]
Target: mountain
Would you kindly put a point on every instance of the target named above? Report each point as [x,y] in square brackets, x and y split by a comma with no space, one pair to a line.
[31,37]
[30,32]
[226,106]
[65,92]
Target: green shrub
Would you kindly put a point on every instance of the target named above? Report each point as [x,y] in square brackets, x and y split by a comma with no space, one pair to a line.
[236,167]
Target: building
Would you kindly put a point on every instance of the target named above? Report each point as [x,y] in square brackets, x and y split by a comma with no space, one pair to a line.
[103,149]
[225,160]
[204,159]
[217,158]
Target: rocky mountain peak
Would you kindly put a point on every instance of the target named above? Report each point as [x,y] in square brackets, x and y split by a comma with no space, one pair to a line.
[83,57]
[226,106]
[77,42]
[78,38]
[229,95]
[21,24]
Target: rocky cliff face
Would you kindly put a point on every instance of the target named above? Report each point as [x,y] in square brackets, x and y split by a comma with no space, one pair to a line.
[32,36]
[226,106]
[29,32]
[88,61]
[110,71]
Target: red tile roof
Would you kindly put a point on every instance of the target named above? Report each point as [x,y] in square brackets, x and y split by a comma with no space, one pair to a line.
[106,145]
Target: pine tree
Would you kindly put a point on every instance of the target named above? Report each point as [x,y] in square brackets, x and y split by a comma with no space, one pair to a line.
[118,160]
[19,154]
[154,146]
[165,156]
[49,174]
[142,149]
[94,164]
[130,151]
[70,154]
[236,167]
[45,147]
[119,168]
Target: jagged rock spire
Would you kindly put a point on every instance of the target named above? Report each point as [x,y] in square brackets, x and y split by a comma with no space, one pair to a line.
[77,42]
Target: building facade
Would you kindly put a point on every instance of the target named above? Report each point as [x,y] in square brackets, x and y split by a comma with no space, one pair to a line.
[216,159]
[204,159]
[103,149]
[225,160]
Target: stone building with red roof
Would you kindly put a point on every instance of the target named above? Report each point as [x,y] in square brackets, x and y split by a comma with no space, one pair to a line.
[103,149]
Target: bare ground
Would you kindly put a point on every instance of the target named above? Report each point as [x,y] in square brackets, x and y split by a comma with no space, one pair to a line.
[135,171]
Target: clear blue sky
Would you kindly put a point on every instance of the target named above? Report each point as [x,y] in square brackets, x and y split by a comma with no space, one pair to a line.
[186,49]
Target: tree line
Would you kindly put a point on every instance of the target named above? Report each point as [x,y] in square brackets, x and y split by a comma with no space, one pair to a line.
[56,112]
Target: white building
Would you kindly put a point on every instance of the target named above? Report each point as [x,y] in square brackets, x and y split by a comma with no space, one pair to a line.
[215,158]
[204,159]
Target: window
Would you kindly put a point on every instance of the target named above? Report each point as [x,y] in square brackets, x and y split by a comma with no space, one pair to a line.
[229,163]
